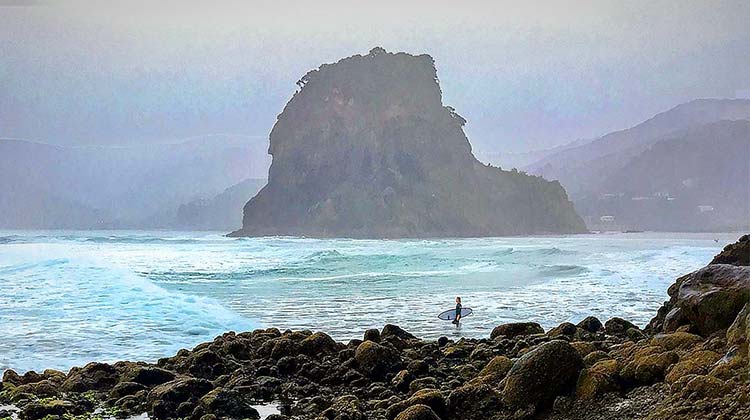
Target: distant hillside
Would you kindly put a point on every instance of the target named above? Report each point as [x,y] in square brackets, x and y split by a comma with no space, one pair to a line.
[367,149]
[610,177]
[510,160]
[223,212]
[696,179]
[52,187]
[581,169]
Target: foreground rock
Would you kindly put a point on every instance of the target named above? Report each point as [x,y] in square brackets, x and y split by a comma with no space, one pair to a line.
[366,148]
[706,301]
[585,371]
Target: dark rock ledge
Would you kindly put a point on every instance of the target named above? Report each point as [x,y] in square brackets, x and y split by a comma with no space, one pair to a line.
[691,362]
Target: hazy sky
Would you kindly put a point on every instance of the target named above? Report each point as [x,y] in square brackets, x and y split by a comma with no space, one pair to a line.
[526,75]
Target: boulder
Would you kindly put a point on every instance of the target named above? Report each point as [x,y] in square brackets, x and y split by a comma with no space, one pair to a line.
[418,412]
[649,368]
[167,399]
[148,375]
[124,389]
[319,344]
[595,356]
[698,362]
[473,401]
[377,360]
[516,329]
[591,324]
[565,329]
[497,368]
[709,299]
[739,331]
[494,372]
[208,364]
[583,348]
[41,389]
[390,330]
[703,386]
[676,341]
[431,398]
[737,253]
[402,380]
[542,374]
[618,327]
[49,409]
[92,377]
[373,334]
[284,347]
[635,334]
[599,379]
[228,403]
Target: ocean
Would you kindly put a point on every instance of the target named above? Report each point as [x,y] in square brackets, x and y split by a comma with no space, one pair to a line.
[68,298]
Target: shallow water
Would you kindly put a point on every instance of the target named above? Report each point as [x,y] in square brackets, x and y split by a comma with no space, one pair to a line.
[67,298]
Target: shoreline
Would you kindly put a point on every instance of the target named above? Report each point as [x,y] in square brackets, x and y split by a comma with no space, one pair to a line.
[691,361]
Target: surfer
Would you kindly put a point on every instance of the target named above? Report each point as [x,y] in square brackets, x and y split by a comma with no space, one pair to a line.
[458,310]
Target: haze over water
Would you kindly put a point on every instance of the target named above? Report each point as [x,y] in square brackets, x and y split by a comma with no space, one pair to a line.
[67,298]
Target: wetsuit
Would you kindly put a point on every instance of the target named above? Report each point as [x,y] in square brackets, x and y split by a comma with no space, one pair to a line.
[458,313]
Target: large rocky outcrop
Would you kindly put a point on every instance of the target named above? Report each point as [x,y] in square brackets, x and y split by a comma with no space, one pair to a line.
[737,253]
[708,299]
[367,149]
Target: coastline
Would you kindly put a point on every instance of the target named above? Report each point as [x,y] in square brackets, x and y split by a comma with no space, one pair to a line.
[689,366]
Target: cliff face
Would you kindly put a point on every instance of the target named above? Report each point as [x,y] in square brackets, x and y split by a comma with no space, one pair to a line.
[367,149]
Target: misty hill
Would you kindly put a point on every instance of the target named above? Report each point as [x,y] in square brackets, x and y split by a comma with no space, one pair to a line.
[367,149]
[510,160]
[695,179]
[582,168]
[46,186]
[610,177]
[222,212]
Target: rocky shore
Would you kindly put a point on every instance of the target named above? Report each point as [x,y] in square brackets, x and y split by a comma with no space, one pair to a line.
[690,362]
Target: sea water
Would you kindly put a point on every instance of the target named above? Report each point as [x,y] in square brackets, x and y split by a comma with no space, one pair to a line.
[68,298]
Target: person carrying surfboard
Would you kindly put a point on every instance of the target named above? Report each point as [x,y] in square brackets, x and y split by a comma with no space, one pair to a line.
[458,310]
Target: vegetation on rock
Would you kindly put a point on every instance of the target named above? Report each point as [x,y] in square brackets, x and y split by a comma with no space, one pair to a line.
[367,149]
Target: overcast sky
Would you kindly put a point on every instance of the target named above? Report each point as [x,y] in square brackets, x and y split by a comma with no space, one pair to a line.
[525,77]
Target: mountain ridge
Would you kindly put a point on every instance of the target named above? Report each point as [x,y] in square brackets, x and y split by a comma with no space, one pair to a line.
[573,166]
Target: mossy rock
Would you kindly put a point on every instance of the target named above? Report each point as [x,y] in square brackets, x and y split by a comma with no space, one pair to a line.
[599,379]
[418,412]
[431,398]
[49,407]
[319,344]
[474,402]
[676,341]
[542,374]
[731,366]
[595,356]
[583,348]
[697,362]
[228,403]
[704,386]
[494,372]
[377,360]
[92,377]
[41,389]
[648,369]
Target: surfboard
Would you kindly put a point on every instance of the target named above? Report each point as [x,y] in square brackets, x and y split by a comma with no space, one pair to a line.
[450,314]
